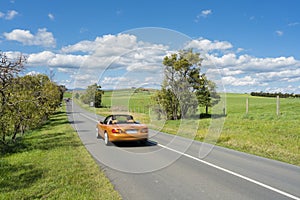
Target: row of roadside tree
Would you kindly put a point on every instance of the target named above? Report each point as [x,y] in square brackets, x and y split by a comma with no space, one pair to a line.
[26,102]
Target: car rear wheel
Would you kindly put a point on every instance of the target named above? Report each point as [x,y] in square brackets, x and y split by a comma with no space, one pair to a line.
[144,141]
[97,133]
[106,139]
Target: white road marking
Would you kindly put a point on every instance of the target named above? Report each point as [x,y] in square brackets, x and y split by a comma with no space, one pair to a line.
[88,117]
[233,173]
[221,168]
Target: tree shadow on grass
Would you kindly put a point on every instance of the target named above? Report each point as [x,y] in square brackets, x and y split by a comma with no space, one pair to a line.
[34,140]
[207,116]
[16,177]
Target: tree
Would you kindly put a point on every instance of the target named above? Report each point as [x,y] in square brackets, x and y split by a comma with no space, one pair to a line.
[93,94]
[9,69]
[184,87]
[77,95]
[25,102]
[206,93]
[33,99]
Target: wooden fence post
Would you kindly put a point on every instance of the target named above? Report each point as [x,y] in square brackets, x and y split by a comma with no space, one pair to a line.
[247,106]
[278,106]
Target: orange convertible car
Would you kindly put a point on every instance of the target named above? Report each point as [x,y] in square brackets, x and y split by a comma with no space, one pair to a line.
[116,128]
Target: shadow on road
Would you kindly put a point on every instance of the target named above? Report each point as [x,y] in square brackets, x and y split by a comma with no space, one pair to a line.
[135,144]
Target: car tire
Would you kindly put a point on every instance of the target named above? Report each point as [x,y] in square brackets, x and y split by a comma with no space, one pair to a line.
[97,133]
[144,142]
[106,139]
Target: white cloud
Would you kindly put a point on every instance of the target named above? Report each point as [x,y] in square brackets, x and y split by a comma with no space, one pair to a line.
[287,89]
[239,73]
[207,45]
[106,45]
[136,59]
[294,24]
[122,50]
[51,16]
[139,67]
[33,73]
[249,63]
[9,15]
[239,50]
[244,81]
[41,58]
[42,37]
[279,33]
[205,13]
[50,59]
[288,75]
[125,60]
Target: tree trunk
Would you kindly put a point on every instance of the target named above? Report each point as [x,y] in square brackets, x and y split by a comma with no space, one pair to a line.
[3,138]
[15,133]
[206,109]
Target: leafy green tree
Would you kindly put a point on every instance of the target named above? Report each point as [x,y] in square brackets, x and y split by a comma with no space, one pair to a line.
[9,69]
[25,102]
[34,99]
[206,93]
[77,95]
[184,87]
[93,93]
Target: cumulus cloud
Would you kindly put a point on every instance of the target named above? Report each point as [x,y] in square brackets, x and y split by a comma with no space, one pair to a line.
[249,63]
[127,61]
[249,73]
[41,38]
[50,59]
[203,44]
[105,45]
[106,53]
[243,81]
[289,75]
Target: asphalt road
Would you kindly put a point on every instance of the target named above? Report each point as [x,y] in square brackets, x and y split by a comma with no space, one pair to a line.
[169,167]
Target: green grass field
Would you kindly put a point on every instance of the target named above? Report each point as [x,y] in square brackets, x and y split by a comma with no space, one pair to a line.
[260,132]
[51,163]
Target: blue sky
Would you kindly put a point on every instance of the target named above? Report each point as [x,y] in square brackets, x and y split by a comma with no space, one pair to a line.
[246,45]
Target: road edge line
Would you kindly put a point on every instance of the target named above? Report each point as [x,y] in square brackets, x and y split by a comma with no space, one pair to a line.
[233,173]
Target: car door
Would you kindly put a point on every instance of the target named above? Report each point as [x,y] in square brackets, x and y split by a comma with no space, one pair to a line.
[104,125]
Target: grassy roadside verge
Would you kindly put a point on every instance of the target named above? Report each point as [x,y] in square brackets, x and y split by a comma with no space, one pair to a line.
[52,163]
